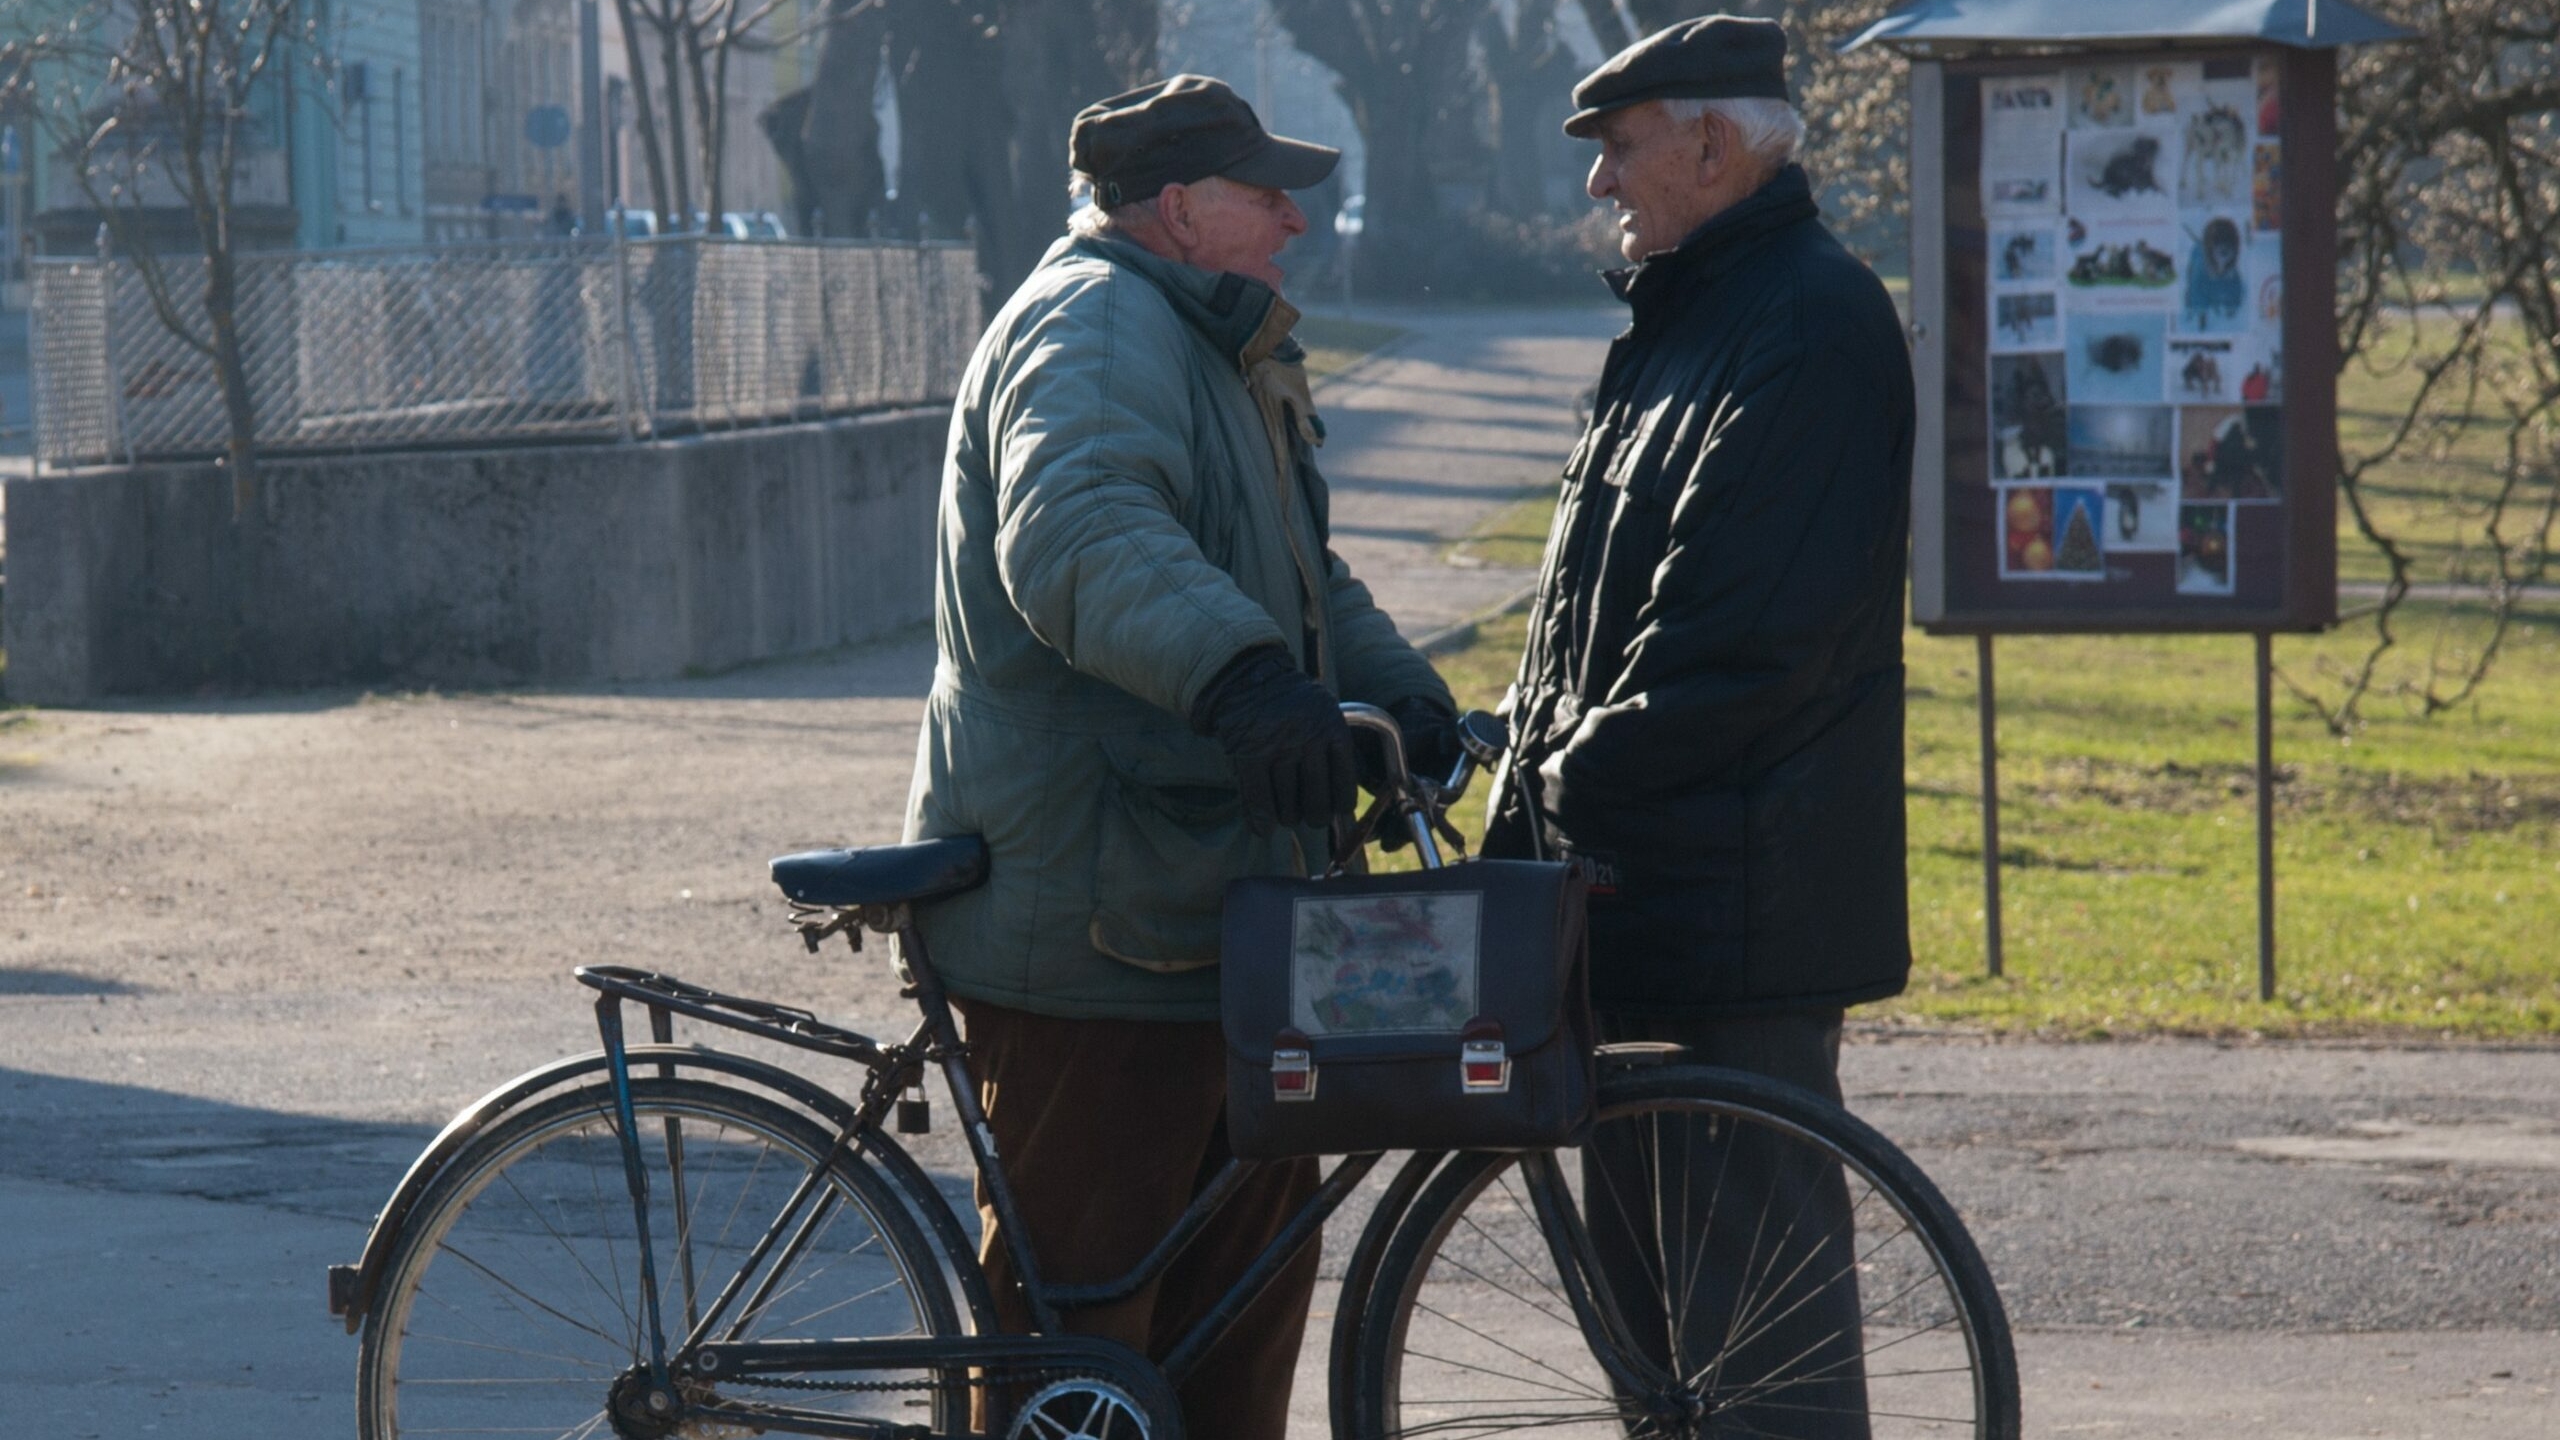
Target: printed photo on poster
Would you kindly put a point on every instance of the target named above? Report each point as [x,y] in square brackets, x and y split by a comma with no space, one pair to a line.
[2024,255]
[2204,370]
[2029,433]
[2025,320]
[2121,265]
[2266,282]
[2122,442]
[2232,82]
[2026,533]
[2114,357]
[2166,87]
[2266,187]
[2120,174]
[2078,552]
[2213,168]
[2022,145]
[2101,96]
[2231,452]
[2215,298]
[2204,550]
[2052,533]
[2270,98]
[2142,517]
[2262,381]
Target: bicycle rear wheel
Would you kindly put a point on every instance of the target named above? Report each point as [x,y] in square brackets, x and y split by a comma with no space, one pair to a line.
[1728,1257]
[512,1302]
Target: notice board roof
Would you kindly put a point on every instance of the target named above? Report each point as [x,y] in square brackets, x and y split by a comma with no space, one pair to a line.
[1955,27]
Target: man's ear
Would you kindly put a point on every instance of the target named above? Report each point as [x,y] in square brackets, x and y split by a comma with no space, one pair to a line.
[1715,147]
[1173,209]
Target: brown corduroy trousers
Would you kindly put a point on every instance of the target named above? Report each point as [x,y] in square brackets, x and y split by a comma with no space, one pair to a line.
[1106,1129]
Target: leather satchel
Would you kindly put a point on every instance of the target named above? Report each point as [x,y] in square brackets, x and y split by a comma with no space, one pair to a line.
[1437,1010]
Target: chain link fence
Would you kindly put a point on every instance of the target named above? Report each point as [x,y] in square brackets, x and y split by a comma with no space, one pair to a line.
[513,341]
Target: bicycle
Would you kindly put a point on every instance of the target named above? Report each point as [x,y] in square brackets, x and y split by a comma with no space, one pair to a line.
[660,1240]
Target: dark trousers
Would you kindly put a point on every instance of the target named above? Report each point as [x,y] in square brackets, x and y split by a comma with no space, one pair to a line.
[1751,1239]
[1106,1129]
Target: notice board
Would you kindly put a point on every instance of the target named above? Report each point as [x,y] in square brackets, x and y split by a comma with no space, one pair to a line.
[2124,313]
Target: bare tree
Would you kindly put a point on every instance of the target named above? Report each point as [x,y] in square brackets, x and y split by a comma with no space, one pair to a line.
[2449,286]
[986,91]
[696,40]
[149,104]
[1404,69]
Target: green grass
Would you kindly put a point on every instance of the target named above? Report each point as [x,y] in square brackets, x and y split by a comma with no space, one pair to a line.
[1336,343]
[2432,495]
[1514,535]
[2418,868]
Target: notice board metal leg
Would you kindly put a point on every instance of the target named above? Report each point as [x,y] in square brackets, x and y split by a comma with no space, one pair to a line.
[1988,704]
[2266,818]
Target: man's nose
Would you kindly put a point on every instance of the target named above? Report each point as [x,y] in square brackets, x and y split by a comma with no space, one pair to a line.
[1292,219]
[1602,179]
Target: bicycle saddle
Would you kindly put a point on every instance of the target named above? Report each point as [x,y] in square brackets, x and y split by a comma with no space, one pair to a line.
[884,874]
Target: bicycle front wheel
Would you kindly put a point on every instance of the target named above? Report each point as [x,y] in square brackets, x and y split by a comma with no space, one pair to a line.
[512,1303]
[1727,1257]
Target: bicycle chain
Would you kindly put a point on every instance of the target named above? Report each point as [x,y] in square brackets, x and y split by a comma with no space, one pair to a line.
[978,1380]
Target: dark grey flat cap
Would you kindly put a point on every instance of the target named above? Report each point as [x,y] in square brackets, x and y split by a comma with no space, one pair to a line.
[1181,131]
[1715,57]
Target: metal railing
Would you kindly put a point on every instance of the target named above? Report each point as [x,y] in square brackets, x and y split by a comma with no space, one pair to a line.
[503,341]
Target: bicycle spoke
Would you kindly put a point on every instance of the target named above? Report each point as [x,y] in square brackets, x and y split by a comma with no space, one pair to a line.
[513,1288]
[612,1297]
[1455,1323]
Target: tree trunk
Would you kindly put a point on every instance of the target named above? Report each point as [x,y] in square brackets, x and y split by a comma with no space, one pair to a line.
[643,113]
[838,134]
[231,372]
[671,62]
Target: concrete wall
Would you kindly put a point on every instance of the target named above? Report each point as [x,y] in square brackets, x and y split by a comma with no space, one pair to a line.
[473,568]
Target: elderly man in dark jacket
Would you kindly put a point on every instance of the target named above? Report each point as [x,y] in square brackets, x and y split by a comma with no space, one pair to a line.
[1709,712]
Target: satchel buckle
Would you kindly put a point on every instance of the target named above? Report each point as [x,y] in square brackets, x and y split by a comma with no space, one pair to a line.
[1484,1067]
[1293,1074]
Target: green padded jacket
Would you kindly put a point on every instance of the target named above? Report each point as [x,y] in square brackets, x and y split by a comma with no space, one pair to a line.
[1129,500]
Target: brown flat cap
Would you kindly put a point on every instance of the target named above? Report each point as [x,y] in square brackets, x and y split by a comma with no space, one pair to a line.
[1716,57]
[1180,131]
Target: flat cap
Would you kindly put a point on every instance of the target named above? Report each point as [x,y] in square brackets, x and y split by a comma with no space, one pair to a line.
[1181,131]
[1715,57]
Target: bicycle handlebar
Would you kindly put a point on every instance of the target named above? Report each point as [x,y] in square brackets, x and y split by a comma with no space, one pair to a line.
[1482,739]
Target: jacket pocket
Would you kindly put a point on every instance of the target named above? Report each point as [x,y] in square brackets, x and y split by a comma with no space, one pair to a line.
[1830,893]
[1171,835]
[1674,930]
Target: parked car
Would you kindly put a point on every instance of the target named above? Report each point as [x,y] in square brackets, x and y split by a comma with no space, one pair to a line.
[631,224]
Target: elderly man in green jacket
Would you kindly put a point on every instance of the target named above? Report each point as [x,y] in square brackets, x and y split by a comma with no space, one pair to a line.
[1144,636]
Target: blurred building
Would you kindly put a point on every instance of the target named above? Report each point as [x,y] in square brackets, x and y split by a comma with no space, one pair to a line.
[422,120]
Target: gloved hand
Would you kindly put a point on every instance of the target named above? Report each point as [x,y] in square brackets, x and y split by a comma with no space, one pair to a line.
[1286,737]
[1430,736]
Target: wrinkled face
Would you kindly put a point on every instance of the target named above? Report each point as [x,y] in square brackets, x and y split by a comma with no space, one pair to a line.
[1658,173]
[1220,224]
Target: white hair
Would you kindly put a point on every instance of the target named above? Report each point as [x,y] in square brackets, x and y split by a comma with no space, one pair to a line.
[1768,130]
[1089,221]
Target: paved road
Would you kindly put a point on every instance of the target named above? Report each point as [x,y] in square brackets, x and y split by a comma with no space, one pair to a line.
[253,951]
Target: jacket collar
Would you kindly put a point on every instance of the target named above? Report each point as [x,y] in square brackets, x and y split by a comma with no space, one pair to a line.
[1786,199]
[1242,317]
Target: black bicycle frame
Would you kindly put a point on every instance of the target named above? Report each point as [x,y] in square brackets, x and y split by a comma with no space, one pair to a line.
[891,1069]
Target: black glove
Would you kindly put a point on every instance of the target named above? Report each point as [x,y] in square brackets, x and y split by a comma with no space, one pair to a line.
[1286,737]
[1430,737]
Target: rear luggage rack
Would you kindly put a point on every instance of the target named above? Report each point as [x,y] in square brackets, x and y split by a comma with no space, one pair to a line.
[782,1023]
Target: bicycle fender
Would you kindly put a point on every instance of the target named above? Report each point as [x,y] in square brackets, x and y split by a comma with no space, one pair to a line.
[351,1286]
